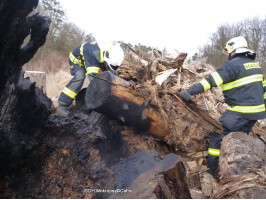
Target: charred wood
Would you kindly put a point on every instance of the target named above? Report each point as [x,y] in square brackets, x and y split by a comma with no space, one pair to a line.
[14,19]
[148,178]
[107,94]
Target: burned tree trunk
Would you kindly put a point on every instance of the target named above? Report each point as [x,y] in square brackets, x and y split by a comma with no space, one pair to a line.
[15,26]
[108,94]
[23,107]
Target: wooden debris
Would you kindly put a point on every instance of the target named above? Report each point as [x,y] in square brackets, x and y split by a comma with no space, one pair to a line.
[166,179]
[250,185]
[164,75]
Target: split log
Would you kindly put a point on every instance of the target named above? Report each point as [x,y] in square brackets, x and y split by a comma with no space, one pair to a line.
[149,179]
[108,94]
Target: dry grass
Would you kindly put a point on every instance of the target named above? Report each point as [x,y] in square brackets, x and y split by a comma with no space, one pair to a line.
[57,69]
[55,82]
[52,63]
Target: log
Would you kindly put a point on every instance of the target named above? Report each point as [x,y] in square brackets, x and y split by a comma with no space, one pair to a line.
[108,94]
[148,179]
[242,167]
[240,153]
[38,77]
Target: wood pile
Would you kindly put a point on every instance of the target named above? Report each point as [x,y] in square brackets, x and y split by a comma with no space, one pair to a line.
[158,80]
[188,124]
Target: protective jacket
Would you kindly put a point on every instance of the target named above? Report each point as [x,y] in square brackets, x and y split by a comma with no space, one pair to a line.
[88,55]
[243,86]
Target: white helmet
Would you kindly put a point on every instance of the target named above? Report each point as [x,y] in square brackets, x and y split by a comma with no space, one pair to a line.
[239,43]
[114,56]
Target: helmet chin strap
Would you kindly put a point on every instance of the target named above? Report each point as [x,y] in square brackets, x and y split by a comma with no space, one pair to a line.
[110,67]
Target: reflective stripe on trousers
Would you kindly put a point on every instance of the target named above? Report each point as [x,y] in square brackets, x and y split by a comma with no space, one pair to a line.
[69,93]
[72,88]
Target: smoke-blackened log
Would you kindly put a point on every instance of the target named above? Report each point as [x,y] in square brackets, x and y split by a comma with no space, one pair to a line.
[146,178]
[108,94]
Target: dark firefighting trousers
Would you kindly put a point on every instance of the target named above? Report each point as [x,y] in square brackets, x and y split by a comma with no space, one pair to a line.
[71,90]
[231,123]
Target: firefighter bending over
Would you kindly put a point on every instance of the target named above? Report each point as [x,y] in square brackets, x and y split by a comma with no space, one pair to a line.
[88,59]
[244,89]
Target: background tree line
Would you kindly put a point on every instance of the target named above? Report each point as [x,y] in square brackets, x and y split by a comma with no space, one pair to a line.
[64,36]
[254,30]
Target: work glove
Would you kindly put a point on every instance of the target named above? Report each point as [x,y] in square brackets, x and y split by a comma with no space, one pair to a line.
[185,96]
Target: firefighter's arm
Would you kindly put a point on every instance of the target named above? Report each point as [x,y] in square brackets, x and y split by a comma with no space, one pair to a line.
[223,75]
[264,90]
[90,64]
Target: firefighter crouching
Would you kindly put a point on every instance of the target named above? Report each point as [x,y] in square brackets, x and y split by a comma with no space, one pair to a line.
[244,89]
[88,59]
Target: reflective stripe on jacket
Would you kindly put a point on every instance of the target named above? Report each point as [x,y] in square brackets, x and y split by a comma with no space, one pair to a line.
[88,55]
[264,88]
[243,86]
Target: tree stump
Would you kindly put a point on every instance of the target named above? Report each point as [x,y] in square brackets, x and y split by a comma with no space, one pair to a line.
[38,77]
[242,165]
[240,153]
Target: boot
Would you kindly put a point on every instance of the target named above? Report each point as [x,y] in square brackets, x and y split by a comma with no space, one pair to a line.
[63,110]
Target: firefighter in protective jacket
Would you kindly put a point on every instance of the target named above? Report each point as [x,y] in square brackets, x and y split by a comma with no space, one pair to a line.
[88,59]
[244,89]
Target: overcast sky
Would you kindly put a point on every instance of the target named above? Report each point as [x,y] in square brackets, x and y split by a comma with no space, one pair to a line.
[184,25]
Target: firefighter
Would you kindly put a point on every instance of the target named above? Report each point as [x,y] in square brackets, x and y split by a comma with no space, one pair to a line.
[88,59]
[244,89]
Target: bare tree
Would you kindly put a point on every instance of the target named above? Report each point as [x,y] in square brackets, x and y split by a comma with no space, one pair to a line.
[254,30]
